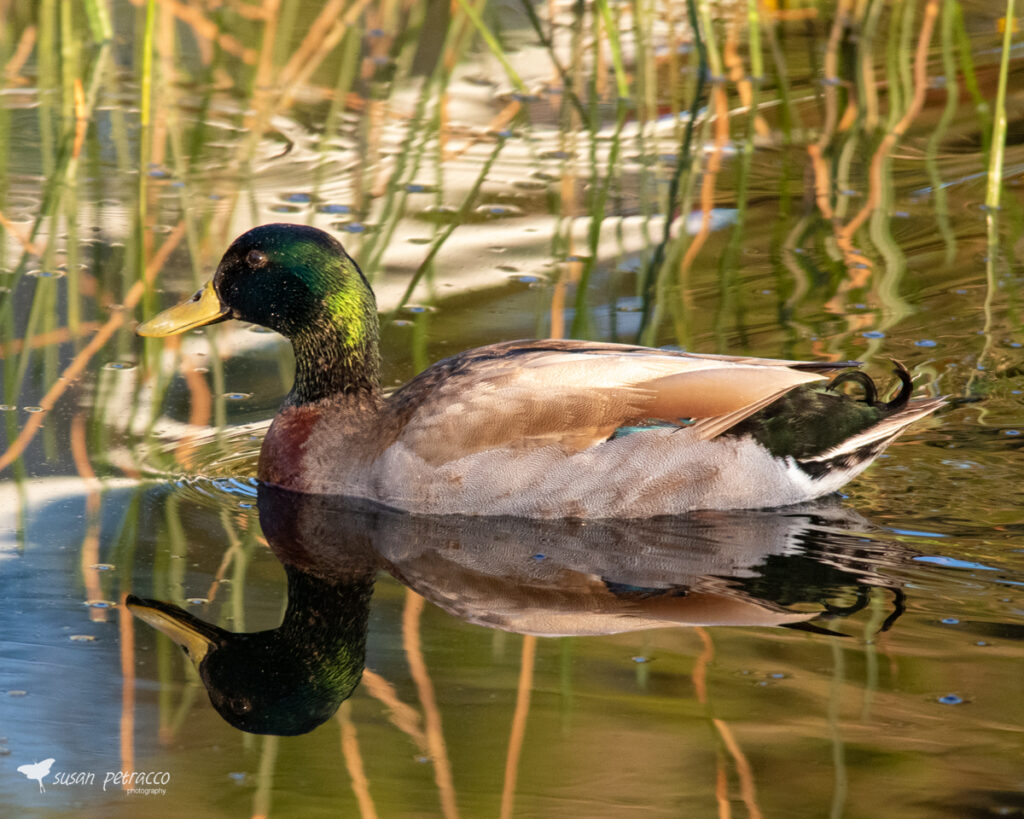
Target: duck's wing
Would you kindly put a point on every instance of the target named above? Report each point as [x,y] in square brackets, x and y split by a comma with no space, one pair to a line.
[575,394]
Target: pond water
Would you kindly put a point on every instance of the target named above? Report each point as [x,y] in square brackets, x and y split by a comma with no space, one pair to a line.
[502,172]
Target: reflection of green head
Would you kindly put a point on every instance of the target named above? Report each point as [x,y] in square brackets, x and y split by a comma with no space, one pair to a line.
[286,680]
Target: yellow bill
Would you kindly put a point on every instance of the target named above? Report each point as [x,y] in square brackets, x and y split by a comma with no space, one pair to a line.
[189,632]
[204,307]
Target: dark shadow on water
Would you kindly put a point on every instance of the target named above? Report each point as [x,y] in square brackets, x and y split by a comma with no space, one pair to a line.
[550,578]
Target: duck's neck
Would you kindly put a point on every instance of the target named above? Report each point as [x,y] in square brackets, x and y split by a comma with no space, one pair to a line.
[336,359]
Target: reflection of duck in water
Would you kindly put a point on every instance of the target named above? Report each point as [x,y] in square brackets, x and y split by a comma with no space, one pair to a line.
[289,679]
[533,577]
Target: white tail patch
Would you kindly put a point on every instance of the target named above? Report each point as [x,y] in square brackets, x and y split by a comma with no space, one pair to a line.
[884,430]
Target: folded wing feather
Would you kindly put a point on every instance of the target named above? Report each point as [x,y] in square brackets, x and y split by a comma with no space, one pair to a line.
[578,396]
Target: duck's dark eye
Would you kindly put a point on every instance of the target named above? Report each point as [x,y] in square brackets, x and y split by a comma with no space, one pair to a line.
[256,258]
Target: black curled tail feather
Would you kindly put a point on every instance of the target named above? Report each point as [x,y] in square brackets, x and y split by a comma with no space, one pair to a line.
[871,390]
[862,378]
[906,387]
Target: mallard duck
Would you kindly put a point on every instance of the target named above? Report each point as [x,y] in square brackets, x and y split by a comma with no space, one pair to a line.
[553,428]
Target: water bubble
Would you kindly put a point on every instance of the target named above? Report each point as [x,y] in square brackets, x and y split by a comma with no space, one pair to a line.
[82,638]
[950,621]
[237,776]
[298,198]
[420,240]
[102,567]
[556,155]
[525,278]
[926,342]
[873,334]
[544,176]
[440,213]
[498,211]
[17,692]
[119,365]
[416,187]
[351,227]
[640,659]
[45,274]
[951,699]
[156,172]
[100,604]
[419,308]
[33,409]
[237,396]
[402,323]
[1011,432]
[201,370]
[959,464]
[334,208]
[538,556]
[196,601]
[777,675]
[285,209]
[7,408]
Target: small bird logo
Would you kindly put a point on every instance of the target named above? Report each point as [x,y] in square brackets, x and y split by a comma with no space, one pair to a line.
[37,771]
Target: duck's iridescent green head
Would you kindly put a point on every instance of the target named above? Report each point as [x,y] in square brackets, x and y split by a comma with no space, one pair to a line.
[299,281]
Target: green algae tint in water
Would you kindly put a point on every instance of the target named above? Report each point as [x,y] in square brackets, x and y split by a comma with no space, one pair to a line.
[503,172]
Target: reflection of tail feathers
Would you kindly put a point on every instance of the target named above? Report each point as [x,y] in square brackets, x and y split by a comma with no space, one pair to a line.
[37,771]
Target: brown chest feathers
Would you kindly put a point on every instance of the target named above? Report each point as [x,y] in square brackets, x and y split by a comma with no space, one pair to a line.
[281,456]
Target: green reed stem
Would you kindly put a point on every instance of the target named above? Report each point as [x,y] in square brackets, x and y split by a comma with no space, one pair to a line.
[730,296]
[568,87]
[684,167]
[492,43]
[707,36]
[981,105]
[98,15]
[935,140]
[612,28]
[998,144]
[754,32]
[460,217]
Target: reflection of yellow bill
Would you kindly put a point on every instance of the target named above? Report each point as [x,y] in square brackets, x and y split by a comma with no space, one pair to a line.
[203,308]
[187,631]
